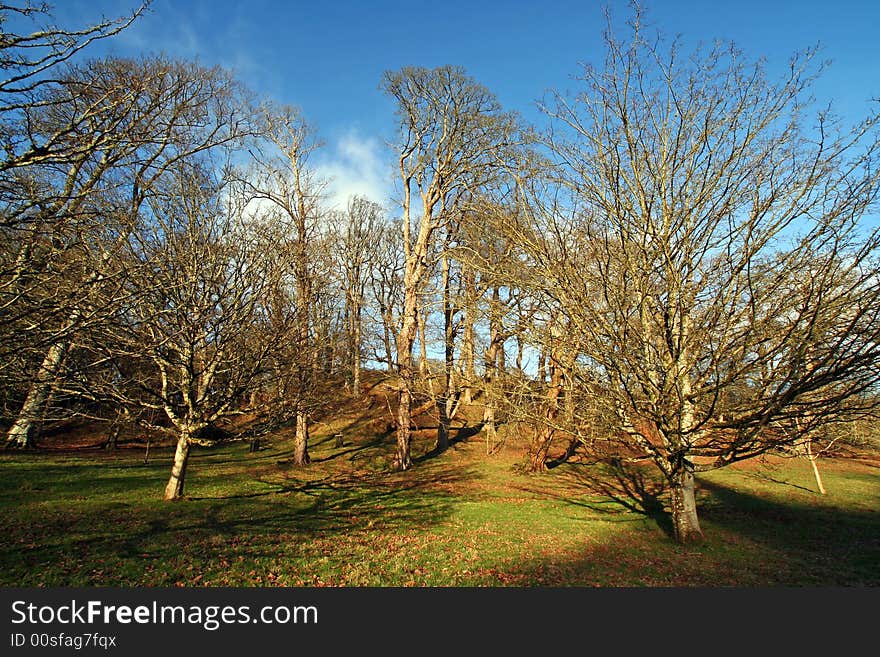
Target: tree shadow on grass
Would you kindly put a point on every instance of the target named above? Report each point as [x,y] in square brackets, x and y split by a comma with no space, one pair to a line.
[461,434]
[767,471]
[465,432]
[351,451]
[621,484]
[116,542]
[822,538]
[636,491]
[752,540]
[326,507]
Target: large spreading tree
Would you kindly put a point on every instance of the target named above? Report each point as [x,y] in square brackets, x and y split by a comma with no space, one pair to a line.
[707,244]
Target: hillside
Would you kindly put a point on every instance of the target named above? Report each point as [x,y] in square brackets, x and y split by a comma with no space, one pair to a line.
[90,517]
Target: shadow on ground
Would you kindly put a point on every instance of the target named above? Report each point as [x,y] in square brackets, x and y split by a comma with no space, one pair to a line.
[609,487]
[752,539]
[103,524]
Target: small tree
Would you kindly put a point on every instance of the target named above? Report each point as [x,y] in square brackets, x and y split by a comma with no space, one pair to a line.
[386,287]
[204,321]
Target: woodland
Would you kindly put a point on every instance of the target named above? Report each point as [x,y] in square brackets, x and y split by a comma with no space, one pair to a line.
[672,278]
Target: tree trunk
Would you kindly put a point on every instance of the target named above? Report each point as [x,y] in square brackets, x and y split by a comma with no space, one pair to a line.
[442,427]
[468,343]
[808,452]
[544,436]
[389,348]
[305,303]
[356,355]
[489,424]
[404,416]
[808,445]
[447,408]
[415,269]
[540,448]
[21,433]
[406,339]
[424,370]
[684,507]
[174,489]
[520,347]
[492,358]
[301,442]
[123,417]
[446,401]
[113,439]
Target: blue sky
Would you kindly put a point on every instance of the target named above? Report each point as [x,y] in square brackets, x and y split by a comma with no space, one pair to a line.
[328,57]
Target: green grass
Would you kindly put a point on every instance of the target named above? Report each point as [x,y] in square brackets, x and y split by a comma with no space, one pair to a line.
[458,519]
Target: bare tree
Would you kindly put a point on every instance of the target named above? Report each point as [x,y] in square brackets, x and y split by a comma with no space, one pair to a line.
[355,249]
[284,183]
[488,300]
[207,320]
[30,62]
[30,92]
[706,248]
[452,135]
[136,119]
[386,285]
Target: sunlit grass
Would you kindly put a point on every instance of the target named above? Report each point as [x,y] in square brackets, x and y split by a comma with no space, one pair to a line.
[458,519]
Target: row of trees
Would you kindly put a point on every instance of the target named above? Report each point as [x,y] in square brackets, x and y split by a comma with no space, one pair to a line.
[680,265]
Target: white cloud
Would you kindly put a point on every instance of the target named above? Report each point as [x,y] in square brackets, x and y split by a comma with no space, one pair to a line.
[354,164]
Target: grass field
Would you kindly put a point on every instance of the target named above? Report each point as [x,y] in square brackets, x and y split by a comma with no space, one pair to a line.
[463,518]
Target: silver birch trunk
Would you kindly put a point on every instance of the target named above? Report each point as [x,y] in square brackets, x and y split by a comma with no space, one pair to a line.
[21,433]
[174,489]
[808,445]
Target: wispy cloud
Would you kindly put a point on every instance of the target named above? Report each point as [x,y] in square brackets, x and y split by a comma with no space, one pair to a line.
[354,164]
[190,31]
[162,28]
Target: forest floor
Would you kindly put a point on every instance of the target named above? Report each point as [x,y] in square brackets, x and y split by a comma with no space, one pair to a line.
[72,514]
